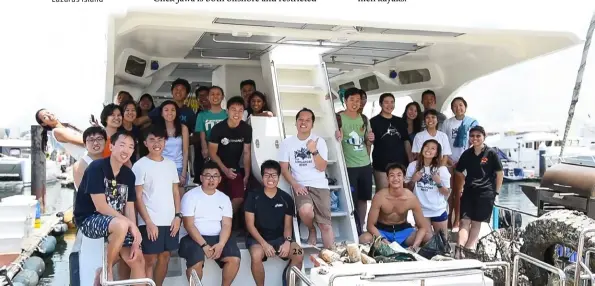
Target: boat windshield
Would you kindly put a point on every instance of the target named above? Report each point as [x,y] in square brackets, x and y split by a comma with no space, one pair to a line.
[583,160]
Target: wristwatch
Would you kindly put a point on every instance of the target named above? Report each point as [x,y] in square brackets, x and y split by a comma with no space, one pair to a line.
[315,153]
[179,215]
[439,186]
[204,244]
[288,239]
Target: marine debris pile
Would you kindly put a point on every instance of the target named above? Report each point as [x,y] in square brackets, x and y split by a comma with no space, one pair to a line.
[538,240]
[376,252]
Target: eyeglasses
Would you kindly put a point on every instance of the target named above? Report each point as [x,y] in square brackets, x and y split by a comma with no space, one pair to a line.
[270,176]
[211,177]
[95,140]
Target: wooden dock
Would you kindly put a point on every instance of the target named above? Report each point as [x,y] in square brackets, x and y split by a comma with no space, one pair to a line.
[14,262]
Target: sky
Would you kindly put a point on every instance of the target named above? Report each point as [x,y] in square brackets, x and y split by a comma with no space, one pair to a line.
[54,54]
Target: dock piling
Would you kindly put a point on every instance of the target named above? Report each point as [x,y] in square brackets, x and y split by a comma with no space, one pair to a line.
[38,158]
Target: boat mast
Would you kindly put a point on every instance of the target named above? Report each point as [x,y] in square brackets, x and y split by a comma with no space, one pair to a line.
[579,80]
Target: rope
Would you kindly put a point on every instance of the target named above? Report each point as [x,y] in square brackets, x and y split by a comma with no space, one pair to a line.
[578,83]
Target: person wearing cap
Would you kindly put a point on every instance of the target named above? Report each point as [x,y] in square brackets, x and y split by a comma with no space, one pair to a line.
[483,180]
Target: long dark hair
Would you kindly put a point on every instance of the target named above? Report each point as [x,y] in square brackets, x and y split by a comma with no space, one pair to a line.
[177,123]
[418,119]
[435,164]
[265,105]
[44,133]
[150,98]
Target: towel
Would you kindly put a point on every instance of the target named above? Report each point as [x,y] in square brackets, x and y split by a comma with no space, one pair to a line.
[461,139]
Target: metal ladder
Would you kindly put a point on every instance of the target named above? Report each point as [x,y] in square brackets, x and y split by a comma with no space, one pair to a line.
[103,279]
[295,272]
[194,280]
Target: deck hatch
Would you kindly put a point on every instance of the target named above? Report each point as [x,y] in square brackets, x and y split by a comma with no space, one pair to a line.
[206,47]
[192,71]
[329,27]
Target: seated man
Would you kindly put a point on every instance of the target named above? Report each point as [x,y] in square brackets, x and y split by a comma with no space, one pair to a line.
[105,206]
[269,220]
[207,216]
[388,213]
[307,155]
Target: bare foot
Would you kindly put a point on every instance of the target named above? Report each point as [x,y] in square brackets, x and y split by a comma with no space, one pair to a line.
[312,237]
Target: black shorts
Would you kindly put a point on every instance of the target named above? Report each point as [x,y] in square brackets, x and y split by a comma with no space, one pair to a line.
[360,180]
[275,243]
[193,253]
[164,242]
[477,206]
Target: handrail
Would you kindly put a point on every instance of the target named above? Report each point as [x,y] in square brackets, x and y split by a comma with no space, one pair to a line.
[536,262]
[338,144]
[588,254]
[579,253]
[498,264]
[194,279]
[512,216]
[293,272]
[137,281]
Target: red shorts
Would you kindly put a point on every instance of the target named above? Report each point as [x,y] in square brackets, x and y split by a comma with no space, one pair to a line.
[234,189]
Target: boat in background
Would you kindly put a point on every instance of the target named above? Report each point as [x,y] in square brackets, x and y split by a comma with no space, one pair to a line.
[521,150]
[15,162]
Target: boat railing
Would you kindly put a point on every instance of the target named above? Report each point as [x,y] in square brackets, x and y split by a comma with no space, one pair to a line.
[296,273]
[104,282]
[498,265]
[550,268]
[194,279]
[580,264]
[495,217]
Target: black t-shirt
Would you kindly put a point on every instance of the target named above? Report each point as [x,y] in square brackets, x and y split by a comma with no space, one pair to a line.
[389,141]
[231,142]
[99,179]
[269,213]
[481,169]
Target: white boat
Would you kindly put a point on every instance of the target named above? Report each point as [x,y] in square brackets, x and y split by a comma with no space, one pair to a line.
[298,62]
[523,148]
[15,162]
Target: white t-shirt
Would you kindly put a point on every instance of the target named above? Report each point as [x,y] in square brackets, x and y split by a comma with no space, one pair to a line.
[433,203]
[450,127]
[303,170]
[208,210]
[157,179]
[423,136]
[75,151]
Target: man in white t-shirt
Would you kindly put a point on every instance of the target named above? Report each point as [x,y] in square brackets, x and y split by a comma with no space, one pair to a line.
[207,218]
[158,205]
[307,155]
[457,129]
[431,132]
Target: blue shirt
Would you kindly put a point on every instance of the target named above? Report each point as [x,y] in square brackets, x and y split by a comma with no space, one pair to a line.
[99,179]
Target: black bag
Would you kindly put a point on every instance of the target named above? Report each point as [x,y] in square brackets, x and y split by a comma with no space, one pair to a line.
[438,245]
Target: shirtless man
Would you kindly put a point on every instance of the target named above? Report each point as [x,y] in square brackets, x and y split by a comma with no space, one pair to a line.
[388,214]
